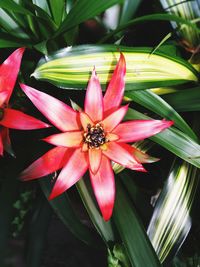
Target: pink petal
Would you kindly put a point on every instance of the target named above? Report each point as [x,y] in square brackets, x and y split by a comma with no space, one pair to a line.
[58,113]
[137,130]
[121,154]
[6,141]
[9,70]
[112,137]
[50,162]
[103,184]
[85,120]
[18,120]
[68,139]
[94,99]
[3,97]
[95,159]
[74,169]
[110,122]
[115,91]
[143,157]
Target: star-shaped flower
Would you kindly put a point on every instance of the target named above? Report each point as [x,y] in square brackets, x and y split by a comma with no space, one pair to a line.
[91,139]
[11,118]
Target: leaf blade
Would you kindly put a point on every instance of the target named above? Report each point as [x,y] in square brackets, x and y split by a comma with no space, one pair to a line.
[71,67]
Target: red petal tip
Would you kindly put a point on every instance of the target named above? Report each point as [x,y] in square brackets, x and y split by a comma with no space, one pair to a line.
[21,49]
[142,170]
[54,194]
[51,197]
[107,215]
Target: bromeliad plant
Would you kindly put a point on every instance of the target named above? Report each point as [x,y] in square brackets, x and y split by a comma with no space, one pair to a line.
[91,138]
[137,228]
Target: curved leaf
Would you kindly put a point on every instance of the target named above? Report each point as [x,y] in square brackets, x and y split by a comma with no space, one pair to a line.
[171,221]
[129,8]
[13,6]
[187,10]
[104,228]
[151,17]
[184,100]
[71,67]
[132,232]
[84,10]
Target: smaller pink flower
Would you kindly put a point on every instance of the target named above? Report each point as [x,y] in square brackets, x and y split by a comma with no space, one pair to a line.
[91,139]
[11,118]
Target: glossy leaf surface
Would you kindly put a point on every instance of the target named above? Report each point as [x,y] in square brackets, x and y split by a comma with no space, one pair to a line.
[71,67]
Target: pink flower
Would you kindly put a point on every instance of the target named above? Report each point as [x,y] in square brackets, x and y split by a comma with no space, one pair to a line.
[91,139]
[11,118]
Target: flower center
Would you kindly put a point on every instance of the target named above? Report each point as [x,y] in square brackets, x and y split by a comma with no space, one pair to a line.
[1,113]
[94,136]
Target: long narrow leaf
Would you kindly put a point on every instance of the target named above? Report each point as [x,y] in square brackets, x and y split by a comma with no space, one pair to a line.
[13,6]
[57,10]
[104,228]
[187,10]
[9,41]
[128,10]
[171,221]
[184,100]
[71,67]
[84,10]
[132,232]
[152,17]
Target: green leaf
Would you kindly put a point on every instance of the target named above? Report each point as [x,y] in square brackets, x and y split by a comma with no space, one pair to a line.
[171,221]
[187,10]
[173,140]
[7,24]
[140,200]
[132,232]
[9,41]
[105,229]
[156,104]
[184,100]
[152,17]
[42,4]
[84,10]
[62,206]
[57,10]
[43,18]
[71,67]
[13,6]
[128,10]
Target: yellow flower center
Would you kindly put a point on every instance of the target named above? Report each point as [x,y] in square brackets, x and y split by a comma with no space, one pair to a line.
[95,136]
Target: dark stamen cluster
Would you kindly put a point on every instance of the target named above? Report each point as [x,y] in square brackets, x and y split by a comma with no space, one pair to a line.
[94,137]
